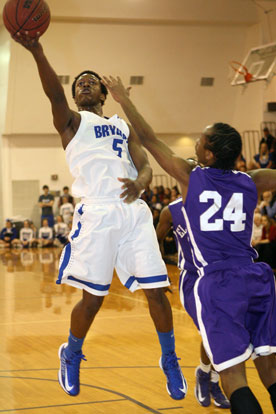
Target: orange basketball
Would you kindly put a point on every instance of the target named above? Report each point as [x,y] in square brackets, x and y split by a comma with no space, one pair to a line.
[20,16]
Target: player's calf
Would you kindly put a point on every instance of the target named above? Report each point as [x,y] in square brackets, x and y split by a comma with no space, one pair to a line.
[272,392]
[243,401]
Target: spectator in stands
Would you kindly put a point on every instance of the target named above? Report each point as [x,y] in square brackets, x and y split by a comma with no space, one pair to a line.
[268,205]
[160,193]
[155,191]
[269,139]
[66,194]
[147,195]
[241,164]
[66,210]
[167,192]
[174,193]
[267,245]
[46,201]
[264,158]
[257,229]
[9,235]
[32,226]
[26,235]
[45,234]
[155,203]
[155,214]
[166,200]
[61,230]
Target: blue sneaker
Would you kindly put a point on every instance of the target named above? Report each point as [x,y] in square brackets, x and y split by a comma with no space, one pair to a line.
[68,375]
[202,388]
[219,398]
[176,383]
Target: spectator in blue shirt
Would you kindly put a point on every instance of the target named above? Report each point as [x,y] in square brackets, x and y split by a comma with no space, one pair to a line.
[8,235]
[264,158]
[268,205]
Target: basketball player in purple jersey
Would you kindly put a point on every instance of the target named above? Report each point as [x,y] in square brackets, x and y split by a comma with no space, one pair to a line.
[109,229]
[207,380]
[235,297]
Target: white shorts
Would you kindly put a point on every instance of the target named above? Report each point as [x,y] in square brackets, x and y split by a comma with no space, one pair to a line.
[110,235]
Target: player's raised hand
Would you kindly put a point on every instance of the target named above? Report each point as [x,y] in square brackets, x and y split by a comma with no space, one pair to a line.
[132,190]
[116,88]
[30,43]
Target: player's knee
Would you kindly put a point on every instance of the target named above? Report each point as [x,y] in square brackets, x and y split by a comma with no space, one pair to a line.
[92,304]
[243,401]
[155,295]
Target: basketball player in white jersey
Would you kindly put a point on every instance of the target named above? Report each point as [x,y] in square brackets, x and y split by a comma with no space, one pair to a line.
[109,229]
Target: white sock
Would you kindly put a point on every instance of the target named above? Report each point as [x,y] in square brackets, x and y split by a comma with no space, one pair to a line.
[205,368]
[214,376]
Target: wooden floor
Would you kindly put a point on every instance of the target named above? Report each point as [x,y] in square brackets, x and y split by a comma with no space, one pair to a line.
[121,374]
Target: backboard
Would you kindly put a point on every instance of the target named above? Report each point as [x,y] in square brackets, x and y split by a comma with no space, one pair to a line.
[259,62]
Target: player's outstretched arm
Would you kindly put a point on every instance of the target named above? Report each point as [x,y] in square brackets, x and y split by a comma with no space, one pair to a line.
[175,166]
[132,188]
[65,120]
[264,178]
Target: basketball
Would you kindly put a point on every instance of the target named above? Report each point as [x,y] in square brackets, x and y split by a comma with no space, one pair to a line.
[20,16]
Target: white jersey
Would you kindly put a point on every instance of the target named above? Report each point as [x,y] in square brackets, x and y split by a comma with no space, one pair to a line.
[61,229]
[26,234]
[97,155]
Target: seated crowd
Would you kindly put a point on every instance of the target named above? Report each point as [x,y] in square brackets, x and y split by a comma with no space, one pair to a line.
[54,230]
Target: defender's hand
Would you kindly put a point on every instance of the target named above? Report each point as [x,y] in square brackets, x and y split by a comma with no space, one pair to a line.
[132,189]
[116,88]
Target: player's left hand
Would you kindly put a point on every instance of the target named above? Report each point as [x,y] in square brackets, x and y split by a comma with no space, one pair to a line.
[132,189]
[116,88]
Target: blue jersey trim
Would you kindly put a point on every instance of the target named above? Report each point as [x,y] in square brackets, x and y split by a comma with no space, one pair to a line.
[80,210]
[89,284]
[130,281]
[143,280]
[152,279]
[66,258]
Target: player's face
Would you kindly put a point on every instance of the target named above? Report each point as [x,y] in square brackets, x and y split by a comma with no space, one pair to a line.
[204,156]
[88,91]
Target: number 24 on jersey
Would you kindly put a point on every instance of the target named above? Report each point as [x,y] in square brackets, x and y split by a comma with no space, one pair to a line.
[233,211]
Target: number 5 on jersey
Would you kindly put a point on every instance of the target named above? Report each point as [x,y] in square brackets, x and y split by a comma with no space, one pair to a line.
[116,146]
[233,211]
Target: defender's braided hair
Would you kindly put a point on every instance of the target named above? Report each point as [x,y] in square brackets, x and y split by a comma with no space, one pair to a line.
[225,143]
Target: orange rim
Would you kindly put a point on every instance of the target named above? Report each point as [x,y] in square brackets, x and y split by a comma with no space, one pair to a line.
[247,76]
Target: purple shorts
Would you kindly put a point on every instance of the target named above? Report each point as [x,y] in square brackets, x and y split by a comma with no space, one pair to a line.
[236,311]
[186,292]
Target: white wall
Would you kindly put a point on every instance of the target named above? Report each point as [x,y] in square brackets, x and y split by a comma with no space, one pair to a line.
[172,59]
[4,75]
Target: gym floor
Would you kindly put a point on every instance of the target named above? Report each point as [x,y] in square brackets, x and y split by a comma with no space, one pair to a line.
[121,374]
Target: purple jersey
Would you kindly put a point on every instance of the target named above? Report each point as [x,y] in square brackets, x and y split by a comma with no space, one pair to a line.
[218,211]
[185,259]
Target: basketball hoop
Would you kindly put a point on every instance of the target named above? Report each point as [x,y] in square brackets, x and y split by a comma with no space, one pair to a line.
[242,70]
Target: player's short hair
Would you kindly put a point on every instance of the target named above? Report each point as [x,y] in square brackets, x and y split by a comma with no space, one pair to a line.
[45,186]
[103,87]
[266,129]
[226,144]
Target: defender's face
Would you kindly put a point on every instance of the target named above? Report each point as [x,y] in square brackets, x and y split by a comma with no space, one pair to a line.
[88,91]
